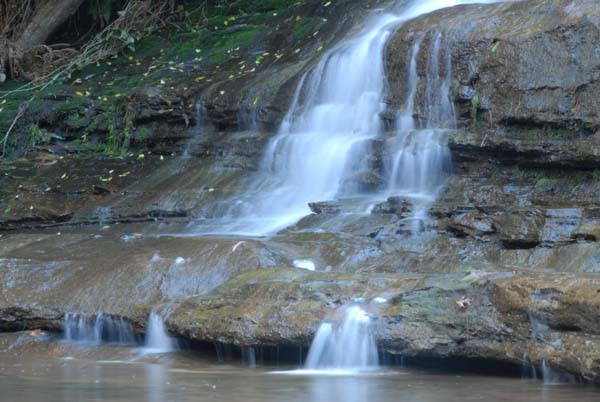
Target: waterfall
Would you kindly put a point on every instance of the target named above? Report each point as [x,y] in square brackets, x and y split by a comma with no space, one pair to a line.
[323,146]
[158,339]
[421,163]
[349,345]
[102,329]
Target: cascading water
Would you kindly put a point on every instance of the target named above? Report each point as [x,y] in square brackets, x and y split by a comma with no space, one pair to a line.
[198,129]
[158,339]
[98,330]
[323,144]
[347,346]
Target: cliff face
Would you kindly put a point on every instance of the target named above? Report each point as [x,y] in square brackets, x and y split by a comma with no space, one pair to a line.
[515,231]
[534,64]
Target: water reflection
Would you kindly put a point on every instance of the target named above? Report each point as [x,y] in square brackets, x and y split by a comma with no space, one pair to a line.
[157,380]
[65,373]
[347,389]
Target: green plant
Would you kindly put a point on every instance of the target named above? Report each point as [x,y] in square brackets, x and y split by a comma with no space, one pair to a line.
[39,136]
[474,108]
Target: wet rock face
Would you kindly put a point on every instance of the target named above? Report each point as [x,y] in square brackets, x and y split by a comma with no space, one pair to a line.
[393,205]
[520,229]
[534,62]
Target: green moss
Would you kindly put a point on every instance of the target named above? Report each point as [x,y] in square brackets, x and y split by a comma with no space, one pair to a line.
[474,109]
[306,27]
[285,275]
[545,183]
[541,133]
[78,121]
[214,45]
[142,133]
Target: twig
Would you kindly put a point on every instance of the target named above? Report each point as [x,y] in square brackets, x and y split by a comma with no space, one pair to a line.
[22,108]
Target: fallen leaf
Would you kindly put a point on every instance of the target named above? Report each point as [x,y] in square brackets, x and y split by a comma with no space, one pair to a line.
[463,303]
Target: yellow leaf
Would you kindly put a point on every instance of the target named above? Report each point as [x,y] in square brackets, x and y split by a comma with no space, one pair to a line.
[200,78]
[79,93]
[255,101]
[141,156]
[319,48]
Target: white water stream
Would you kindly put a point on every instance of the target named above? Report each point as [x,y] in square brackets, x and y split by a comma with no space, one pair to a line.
[158,339]
[324,142]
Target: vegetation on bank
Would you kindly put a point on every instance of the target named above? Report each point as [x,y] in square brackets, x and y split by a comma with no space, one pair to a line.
[191,42]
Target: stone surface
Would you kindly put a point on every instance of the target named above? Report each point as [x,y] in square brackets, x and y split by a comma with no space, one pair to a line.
[516,228]
[532,63]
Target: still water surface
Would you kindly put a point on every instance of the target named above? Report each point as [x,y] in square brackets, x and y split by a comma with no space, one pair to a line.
[58,372]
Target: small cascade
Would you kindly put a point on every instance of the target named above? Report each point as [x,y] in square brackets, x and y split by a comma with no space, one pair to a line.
[348,345]
[198,129]
[527,369]
[552,376]
[158,339]
[249,356]
[406,121]
[422,162]
[248,118]
[101,329]
[104,215]
[440,109]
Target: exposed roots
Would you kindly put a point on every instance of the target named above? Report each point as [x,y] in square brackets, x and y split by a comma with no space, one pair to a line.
[43,63]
